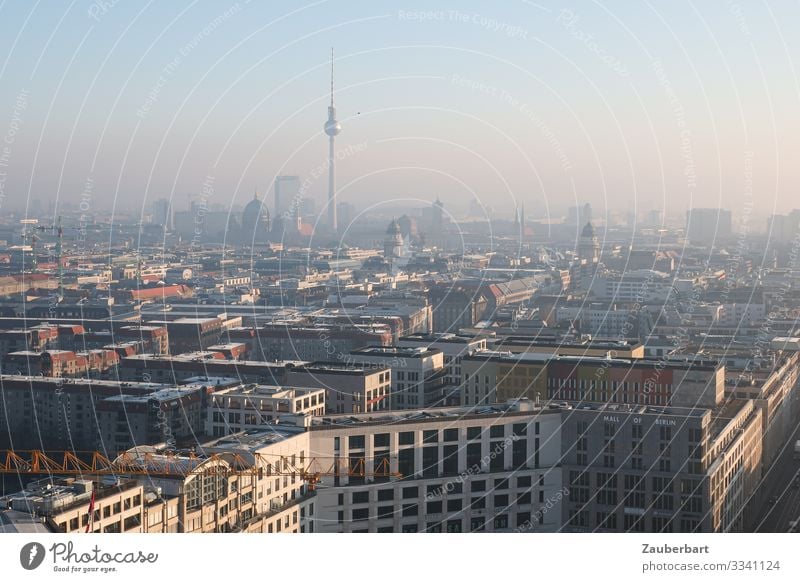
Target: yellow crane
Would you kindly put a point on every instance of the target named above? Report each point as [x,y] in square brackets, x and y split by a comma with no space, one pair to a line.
[166,464]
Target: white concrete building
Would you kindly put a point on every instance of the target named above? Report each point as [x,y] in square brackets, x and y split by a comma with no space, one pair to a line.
[251,406]
[462,470]
[454,347]
[418,374]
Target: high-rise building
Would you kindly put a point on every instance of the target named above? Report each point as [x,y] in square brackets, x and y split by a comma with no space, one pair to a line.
[308,207]
[707,225]
[287,191]
[162,213]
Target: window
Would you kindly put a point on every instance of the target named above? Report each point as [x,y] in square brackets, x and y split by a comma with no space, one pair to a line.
[361,514]
[524,519]
[497,431]
[634,523]
[406,438]
[519,453]
[405,462]
[477,524]
[430,436]
[430,461]
[450,434]
[410,492]
[578,518]
[361,497]
[454,526]
[500,501]
[524,481]
[501,522]
[385,511]
[450,460]
[356,442]
[454,505]
[497,457]
[410,509]
[433,507]
[520,429]
[473,432]
[381,439]
[479,486]
[385,494]
[474,456]
[662,525]
[606,520]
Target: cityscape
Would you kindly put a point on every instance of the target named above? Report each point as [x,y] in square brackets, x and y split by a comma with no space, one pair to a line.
[353,334]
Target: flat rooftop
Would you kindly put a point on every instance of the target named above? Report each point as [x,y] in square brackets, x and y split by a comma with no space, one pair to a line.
[396,351]
[434,338]
[534,357]
[253,439]
[505,409]
[163,395]
[342,368]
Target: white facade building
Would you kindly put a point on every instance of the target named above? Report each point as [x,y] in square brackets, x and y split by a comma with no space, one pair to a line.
[461,471]
[245,407]
[417,373]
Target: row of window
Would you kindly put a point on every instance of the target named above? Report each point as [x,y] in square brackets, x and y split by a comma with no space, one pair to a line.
[406,438]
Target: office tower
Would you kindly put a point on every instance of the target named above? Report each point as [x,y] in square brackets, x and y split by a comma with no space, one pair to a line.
[287,189]
[707,224]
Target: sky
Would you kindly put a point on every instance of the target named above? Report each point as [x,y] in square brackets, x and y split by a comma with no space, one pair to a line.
[632,106]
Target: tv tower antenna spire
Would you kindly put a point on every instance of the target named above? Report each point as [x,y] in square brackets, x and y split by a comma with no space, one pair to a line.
[332,129]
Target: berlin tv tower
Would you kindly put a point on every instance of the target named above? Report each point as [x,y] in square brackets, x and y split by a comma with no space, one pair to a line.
[332,128]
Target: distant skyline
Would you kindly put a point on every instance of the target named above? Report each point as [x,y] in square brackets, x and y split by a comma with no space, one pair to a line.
[551,104]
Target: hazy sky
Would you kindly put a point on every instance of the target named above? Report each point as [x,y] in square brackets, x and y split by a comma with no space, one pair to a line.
[634,105]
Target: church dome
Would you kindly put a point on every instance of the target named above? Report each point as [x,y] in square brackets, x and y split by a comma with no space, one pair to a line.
[254,211]
[588,231]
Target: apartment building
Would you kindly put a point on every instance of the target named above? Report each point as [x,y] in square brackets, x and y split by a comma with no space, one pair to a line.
[492,376]
[418,374]
[171,414]
[454,347]
[497,376]
[349,387]
[579,346]
[63,505]
[176,369]
[82,414]
[318,343]
[247,407]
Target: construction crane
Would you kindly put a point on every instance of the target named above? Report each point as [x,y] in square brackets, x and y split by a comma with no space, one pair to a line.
[160,464]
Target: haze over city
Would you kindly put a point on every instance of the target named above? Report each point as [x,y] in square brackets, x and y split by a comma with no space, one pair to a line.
[346,267]
[623,107]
